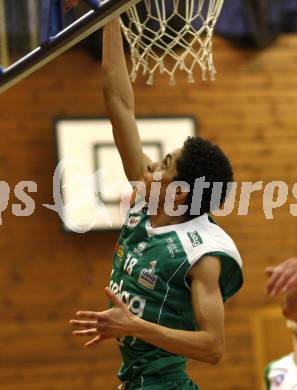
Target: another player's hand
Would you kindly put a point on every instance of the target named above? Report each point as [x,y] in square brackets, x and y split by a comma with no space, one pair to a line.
[115,322]
[69,4]
[282,278]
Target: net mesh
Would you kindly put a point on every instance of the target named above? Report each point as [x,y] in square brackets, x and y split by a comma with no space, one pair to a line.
[171,35]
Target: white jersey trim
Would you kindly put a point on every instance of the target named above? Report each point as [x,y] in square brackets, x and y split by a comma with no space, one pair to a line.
[214,239]
[286,364]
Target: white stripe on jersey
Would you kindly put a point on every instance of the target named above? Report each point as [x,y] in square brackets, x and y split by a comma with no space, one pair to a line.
[214,239]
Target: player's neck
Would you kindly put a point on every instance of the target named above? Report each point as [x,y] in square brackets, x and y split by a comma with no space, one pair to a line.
[162,219]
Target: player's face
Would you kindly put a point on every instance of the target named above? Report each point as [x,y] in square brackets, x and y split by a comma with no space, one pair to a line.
[166,169]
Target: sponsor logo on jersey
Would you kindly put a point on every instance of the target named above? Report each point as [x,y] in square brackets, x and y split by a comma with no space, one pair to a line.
[195,238]
[120,252]
[147,277]
[140,248]
[133,221]
[135,303]
[171,246]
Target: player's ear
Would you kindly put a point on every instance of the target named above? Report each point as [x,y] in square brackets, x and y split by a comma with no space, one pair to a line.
[181,193]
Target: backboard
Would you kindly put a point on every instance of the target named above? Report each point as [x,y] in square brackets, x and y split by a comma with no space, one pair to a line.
[32,33]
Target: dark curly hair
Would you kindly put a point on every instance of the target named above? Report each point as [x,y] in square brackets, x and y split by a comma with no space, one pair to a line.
[200,158]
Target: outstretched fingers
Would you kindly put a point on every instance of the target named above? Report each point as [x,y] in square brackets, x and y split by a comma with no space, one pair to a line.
[88,332]
[91,315]
[280,283]
[269,271]
[291,283]
[274,281]
[88,324]
[114,299]
[94,341]
[99,337]
[281,280]
[85,324]
[103,325]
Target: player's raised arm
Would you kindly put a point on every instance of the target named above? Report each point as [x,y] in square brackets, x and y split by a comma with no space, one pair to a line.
[119,100]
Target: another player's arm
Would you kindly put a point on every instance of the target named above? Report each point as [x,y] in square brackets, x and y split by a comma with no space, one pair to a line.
[290,305]
[207,344]
[283,278]
[119,99]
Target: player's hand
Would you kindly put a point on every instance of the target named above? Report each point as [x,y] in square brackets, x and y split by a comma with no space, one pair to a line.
[115,322]
[69,4]
[282,278]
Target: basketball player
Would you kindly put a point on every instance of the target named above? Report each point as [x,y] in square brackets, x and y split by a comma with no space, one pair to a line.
[171,272]
[283,278]
[282,374]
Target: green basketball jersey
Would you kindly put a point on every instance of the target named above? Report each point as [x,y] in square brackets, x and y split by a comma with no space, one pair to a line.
[149,274]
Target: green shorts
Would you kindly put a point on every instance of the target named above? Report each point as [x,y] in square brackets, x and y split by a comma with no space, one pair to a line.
[166,383]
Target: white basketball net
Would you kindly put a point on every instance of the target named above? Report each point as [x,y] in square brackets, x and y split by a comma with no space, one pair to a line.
[171,35]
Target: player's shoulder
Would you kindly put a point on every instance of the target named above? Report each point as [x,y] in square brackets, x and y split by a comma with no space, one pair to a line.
[206,228]
[283,363]
[202,235]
